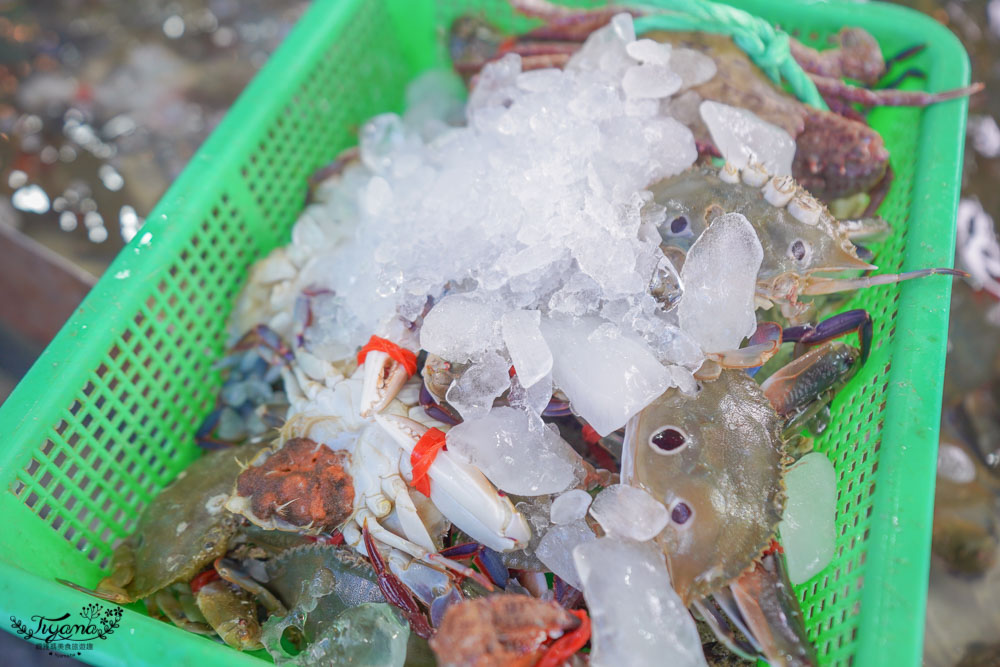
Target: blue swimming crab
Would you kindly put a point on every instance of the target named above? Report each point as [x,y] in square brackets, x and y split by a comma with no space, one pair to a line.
[178,539]
[716,461]
[801,239]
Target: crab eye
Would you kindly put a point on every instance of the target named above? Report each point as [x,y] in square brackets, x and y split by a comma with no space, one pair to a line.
[681,513]
[668,440]
[679,225]
[799,251]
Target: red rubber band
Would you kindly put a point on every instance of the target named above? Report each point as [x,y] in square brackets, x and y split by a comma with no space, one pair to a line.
[423,455]
[571,642]
[203,579]
[590,436]
[404,357]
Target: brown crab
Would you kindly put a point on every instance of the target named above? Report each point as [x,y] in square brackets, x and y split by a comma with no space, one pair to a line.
[837,154]
[304,486]
[180,534]
[501,630]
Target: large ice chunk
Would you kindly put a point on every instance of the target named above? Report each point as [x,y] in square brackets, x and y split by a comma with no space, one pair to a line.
[741,136]
[528,351]
[473,393]
[629,512]
[720,278]
[608,375]
[637,617]
[807,529]
[557,546]
[460,327]
[516,451]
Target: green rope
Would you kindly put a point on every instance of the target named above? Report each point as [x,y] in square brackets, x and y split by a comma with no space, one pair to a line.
[766,46]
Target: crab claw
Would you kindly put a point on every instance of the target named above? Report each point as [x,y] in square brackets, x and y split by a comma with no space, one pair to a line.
[463,494]
[384,377]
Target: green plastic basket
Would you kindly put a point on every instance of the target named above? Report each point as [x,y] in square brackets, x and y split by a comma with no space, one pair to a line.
[106,416]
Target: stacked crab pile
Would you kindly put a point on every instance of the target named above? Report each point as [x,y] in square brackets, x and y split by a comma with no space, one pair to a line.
[510,330]
[520,255]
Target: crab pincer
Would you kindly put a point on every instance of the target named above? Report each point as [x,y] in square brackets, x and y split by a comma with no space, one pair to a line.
[462,492]
[387,368]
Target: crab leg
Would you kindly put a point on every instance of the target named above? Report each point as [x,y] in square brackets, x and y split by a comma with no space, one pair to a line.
[767,602]
[816,286]
[238,578]
[888,97]
[853,320]
[764,344]
[413,526]
[393,589]
[463,494]
[390,539]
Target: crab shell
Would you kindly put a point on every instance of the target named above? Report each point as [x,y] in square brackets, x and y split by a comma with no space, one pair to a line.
[302,487]
[700,195]
[723,486]
[499,630]
[183,530]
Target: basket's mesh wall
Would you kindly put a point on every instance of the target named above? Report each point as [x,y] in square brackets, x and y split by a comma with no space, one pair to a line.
[130,429]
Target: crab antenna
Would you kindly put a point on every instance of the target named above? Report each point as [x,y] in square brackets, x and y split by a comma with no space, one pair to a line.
[831,285]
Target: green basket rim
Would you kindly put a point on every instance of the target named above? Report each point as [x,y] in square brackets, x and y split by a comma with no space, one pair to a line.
[898,547]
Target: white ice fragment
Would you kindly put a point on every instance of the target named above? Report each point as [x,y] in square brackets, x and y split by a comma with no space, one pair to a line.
[720,278]
[569,507]
[807,528]
[638,619]
[741,137]
[528,351]
[556,548]
[694,67]
[650,82]
[516,451]
[535,398]
[607,375]
[626,511]
[460,327]
[649,51]
[473,393]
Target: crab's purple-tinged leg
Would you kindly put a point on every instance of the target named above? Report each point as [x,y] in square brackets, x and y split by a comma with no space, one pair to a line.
[557,408]
[487,560]
[576,27]
[767,334]
[908,52]
[839,325]
[264,336]
[888,97]
[396,594]
[894,82]
[435,410]
[567,596]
